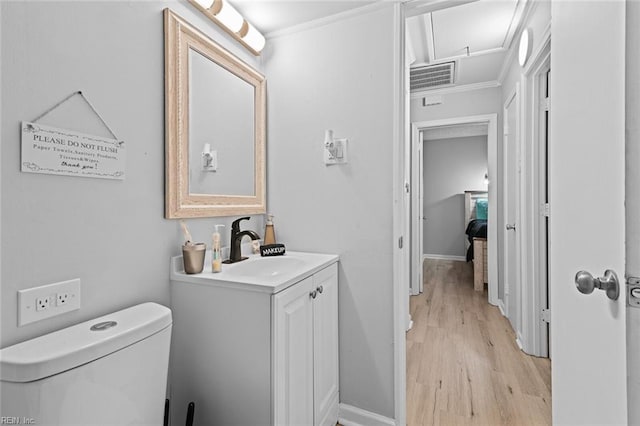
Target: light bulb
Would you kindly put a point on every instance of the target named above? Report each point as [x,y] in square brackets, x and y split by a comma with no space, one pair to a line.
[254,39]
[229,16]
[204,3]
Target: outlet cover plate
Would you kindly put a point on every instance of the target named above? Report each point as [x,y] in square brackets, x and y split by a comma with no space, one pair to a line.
[338,153]
[27,312]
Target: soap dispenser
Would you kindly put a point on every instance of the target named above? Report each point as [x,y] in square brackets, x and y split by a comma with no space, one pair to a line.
[269,231]
[216,251]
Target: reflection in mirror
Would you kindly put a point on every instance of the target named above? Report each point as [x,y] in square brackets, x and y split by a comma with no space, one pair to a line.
[215,127]
[221,121]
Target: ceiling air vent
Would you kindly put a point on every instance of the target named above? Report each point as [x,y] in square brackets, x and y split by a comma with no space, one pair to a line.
[432,76]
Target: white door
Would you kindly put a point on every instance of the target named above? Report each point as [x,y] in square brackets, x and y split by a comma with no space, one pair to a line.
[511,197]
[325,346]
[293,340]
[417,211]
[586,223]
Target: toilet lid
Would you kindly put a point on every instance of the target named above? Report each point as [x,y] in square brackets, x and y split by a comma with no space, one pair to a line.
[71,347]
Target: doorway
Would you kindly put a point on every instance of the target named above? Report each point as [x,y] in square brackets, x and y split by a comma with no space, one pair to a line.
[417,217]
[589,120]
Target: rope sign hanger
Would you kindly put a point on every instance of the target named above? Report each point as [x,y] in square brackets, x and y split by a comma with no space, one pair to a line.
[79,92]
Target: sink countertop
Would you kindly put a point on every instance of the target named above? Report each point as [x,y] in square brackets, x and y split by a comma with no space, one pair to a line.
[303,265]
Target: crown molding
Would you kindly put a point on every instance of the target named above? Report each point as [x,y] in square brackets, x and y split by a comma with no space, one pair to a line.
[456,89]
[419,7]
[530,7]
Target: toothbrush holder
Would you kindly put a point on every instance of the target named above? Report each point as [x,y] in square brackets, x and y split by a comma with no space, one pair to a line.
[193,257]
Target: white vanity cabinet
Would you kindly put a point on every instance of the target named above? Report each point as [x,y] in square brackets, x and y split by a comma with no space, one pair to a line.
[306,351]
[259,350]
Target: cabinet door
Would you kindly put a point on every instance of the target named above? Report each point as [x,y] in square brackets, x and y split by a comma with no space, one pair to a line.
[293,355]
[325,354]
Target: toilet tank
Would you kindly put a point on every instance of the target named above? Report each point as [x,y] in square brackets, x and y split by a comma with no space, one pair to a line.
[108,371]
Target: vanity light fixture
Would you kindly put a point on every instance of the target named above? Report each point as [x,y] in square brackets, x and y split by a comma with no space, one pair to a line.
[228,18]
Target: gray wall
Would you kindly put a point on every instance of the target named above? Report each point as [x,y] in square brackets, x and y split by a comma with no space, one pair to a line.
[110,234]
[633,203]
[340,76]
[451,166]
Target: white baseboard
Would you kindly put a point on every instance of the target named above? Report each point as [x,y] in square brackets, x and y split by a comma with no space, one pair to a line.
[349,415]
[443,257]
[519,341]
[501,307]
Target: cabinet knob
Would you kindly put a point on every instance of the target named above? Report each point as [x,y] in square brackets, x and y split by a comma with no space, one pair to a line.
[320,289]
[313,294]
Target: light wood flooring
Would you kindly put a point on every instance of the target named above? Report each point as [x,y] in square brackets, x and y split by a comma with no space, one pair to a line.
[463,363]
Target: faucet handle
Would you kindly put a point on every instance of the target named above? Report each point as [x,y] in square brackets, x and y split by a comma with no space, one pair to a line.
[235,225]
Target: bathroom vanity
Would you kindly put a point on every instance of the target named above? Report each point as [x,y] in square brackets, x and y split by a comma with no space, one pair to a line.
[258,342]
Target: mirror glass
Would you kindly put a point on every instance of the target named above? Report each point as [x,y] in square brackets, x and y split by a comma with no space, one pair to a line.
[221,123]
[215,127]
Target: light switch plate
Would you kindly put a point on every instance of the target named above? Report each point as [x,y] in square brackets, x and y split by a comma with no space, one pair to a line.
[38,303]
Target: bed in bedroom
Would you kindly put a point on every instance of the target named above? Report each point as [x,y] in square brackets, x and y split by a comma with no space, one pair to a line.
[475,222]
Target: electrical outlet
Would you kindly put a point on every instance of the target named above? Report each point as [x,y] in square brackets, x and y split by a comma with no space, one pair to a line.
[335,152]
[62,299]
[38,303]
[42,303]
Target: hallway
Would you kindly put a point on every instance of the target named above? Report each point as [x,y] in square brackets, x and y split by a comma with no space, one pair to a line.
[463,363]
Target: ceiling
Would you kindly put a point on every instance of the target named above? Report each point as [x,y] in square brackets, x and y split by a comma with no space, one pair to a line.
[476,35]
[274,15]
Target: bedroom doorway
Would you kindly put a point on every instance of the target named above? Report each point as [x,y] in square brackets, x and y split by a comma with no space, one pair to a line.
[418,219]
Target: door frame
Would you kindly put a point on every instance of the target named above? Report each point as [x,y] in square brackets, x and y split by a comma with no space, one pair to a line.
[504,305]
[417,214]
[492,163]
[534,225]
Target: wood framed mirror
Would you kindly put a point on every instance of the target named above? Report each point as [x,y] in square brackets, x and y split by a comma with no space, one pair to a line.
[215,127]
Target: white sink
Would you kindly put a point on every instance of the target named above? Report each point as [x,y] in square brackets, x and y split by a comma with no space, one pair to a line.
[265,274]
[266,266]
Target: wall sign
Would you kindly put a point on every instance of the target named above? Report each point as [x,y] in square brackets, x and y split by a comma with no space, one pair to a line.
[51,150]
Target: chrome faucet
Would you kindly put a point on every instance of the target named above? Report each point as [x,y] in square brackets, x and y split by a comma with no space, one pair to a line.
[235,253]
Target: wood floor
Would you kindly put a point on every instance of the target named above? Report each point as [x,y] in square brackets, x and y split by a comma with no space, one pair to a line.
[463,363]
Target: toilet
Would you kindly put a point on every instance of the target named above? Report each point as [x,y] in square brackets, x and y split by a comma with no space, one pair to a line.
[108,371]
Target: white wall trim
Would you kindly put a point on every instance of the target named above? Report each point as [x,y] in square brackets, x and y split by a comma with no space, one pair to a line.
[535,334]
[419,7]
[492,166]
[521,14]
[462,55]
[514,96]
[456,89]
[349,415]
[502,309]
[417,206]
[443,257]
[320,22]
[519,341]
[400,285]
[530,6]
[535,58]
